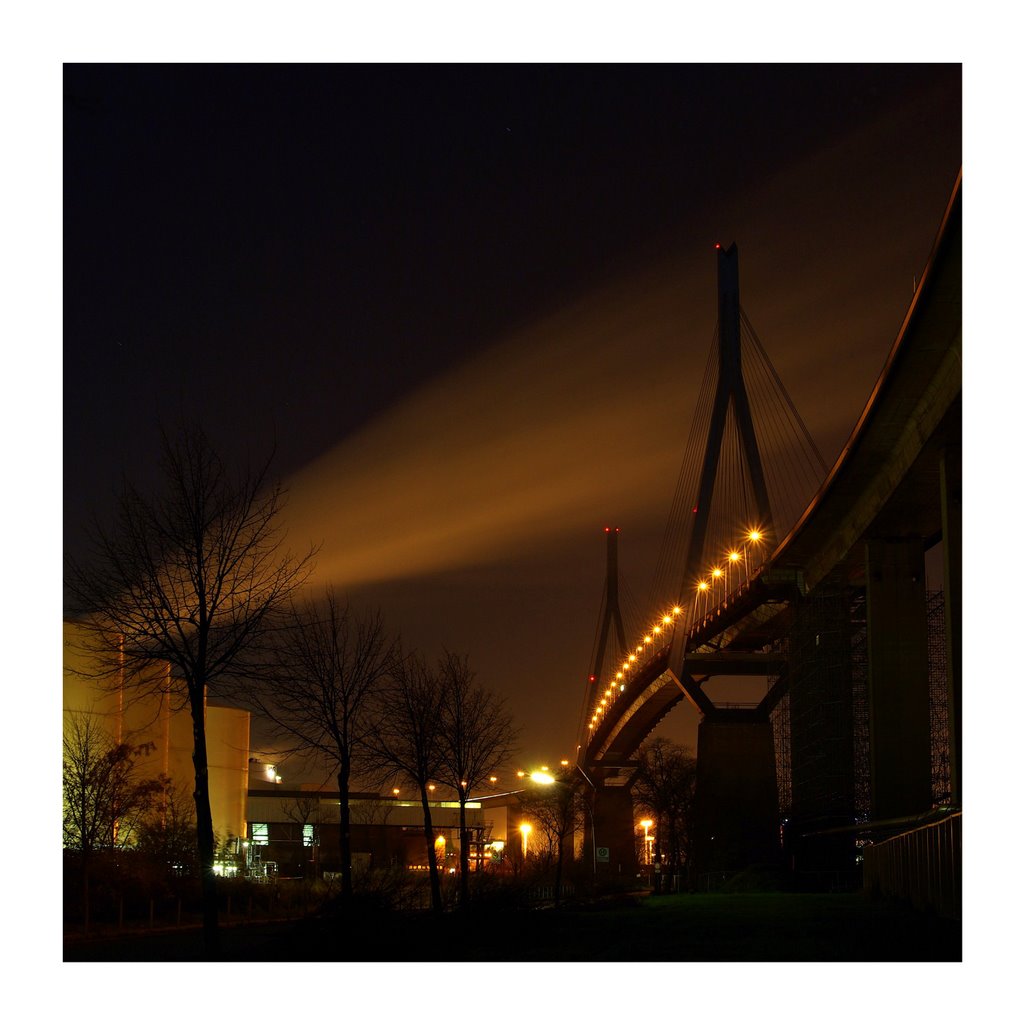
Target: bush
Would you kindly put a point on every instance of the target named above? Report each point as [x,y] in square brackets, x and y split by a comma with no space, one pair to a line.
[757,878]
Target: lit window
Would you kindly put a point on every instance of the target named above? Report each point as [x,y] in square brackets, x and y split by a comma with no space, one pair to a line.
[259,833]
[307,835]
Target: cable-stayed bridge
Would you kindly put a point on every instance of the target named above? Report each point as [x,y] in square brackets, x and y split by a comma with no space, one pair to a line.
[775,566]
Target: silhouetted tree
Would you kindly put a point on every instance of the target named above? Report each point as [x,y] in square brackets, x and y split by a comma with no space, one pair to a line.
[665,783]
[558,810]
[328,671]
[105,796]
[166,836]
[190,577]
[408,741]
[305,811]
[478,737]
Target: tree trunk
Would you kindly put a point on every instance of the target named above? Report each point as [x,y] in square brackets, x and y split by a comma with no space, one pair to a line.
[85,893]
[428,832]
[345,835]
[463,852]
[204,824]
[558,870]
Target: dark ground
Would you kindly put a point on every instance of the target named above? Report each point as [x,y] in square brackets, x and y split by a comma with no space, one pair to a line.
[741,927]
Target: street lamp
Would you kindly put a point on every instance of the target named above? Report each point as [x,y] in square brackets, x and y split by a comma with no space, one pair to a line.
[646,825]
[593,800]
[526,828]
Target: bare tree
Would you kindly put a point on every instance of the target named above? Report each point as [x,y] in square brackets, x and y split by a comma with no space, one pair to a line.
[305,811]
[190,577]
[105,797]
[478,737]
[557,809]
[408,741]
[328,669]
[375,811]
[665,783]
[167,834]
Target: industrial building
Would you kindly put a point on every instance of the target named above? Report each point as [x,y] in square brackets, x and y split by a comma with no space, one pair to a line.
[291,831]
[128,716]
[294,832]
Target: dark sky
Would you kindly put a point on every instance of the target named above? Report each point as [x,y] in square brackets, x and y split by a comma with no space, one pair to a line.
[472,306]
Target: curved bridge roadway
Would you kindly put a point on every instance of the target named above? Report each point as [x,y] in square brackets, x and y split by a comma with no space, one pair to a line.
[886,482]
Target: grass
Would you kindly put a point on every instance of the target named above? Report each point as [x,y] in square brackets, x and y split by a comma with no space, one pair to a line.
[768,927]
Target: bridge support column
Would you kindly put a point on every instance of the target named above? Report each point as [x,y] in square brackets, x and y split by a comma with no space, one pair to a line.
[952,548]
[737,803]
[613,831]
[898,715]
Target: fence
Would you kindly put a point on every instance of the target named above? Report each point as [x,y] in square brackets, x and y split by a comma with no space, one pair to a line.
[922,866]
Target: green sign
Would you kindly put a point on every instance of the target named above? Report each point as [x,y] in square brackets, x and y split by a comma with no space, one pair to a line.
[603,855]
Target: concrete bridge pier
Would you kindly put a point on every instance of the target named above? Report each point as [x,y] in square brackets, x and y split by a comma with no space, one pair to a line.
[737,803]
[612,831]
[898,710]
[952,546]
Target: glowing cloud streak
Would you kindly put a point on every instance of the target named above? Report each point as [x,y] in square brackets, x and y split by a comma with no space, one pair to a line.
[560,426]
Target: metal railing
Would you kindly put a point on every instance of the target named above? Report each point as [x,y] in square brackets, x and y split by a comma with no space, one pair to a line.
[922,866]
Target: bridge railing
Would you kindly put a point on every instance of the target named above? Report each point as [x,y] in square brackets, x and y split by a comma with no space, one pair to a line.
[922,866]
[715,595]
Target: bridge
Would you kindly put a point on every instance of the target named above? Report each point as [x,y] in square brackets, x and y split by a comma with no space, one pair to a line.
[856,735]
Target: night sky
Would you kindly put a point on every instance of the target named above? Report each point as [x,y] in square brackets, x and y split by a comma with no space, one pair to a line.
[472,305]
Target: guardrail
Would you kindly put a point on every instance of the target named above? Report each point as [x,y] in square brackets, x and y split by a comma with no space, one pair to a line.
[922,866]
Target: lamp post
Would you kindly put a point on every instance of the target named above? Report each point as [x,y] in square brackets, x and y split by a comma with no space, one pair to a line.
[646,826]
[593,800]
[525,829]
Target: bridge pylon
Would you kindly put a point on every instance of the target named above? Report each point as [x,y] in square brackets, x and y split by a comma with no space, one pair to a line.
[609,843]
[730,392]
[737,791]
[612,615]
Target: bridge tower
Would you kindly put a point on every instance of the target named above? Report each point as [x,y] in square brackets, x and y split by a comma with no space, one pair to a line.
[612,614]
[609,844]
[736,805]
[730,390]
